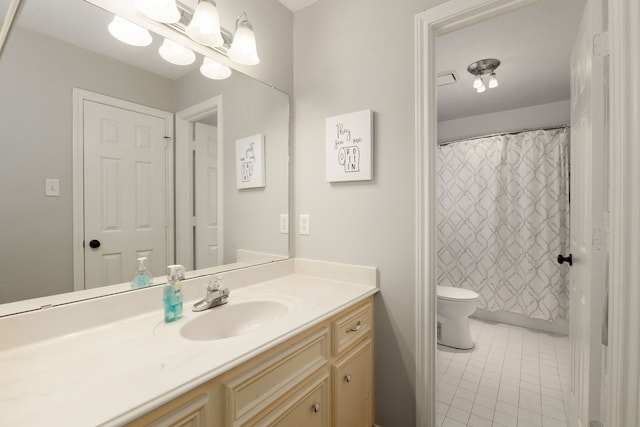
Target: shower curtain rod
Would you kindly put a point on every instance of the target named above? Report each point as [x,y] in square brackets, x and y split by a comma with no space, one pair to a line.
[452,141]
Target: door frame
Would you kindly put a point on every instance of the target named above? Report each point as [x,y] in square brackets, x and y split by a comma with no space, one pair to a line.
[623,356]
[79,97]
[184,177]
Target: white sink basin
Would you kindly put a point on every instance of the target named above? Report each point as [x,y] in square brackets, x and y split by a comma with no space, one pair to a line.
[232,319]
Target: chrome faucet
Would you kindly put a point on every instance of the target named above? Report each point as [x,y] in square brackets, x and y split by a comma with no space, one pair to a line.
[215,295]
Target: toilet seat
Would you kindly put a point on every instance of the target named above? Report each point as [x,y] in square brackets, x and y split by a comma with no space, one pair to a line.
[451,293]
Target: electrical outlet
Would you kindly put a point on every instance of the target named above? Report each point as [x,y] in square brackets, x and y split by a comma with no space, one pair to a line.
[284,223]
[305,224]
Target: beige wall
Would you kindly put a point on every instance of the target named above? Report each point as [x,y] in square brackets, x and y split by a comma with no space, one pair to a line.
[348,56]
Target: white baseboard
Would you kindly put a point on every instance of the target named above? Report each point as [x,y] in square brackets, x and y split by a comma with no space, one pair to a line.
[560,327]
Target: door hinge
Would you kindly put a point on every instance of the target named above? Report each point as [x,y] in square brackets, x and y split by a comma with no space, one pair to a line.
[601,44]
[194,221]
[193,145]
[596,424]
[167,140]
[599,239]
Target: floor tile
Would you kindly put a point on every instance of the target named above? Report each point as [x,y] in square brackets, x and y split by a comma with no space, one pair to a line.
[513,377]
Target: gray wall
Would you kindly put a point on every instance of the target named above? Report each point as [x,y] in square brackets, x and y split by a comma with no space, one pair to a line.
[37,75]
[251,216]
[348,56]
[538,116]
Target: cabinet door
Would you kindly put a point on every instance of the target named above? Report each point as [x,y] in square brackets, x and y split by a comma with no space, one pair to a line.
[192,414]
[309,407]
[353,388]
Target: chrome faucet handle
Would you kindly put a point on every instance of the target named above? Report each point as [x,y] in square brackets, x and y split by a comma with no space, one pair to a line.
[214,284]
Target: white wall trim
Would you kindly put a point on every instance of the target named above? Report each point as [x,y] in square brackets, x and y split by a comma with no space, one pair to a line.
[79,97]
[436,21]
[8,21]
[184,178]
[624,290]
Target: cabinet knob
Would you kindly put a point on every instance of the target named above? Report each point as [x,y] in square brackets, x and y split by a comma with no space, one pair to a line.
[347,378]
[354,328]
[316,407]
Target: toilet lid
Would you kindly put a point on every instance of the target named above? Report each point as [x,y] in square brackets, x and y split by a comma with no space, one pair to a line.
[456,294]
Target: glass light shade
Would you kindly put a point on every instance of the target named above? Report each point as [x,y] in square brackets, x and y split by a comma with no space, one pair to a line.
[176,53]
[477,82]
[205,25]
[214,70]
[164,11]
[493,82]
[129,33]
[243,48]
[481,89]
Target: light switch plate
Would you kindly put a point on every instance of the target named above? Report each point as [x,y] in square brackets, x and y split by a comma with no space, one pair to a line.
[51,187]
[284,223]
[305,224]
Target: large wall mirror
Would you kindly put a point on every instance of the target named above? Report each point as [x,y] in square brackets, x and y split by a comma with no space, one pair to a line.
[67,83]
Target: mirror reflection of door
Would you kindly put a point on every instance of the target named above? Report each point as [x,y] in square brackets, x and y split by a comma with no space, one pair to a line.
[206,239]
[127,187]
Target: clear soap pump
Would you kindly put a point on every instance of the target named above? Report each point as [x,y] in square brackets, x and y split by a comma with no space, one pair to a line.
[142,278]
[172,293]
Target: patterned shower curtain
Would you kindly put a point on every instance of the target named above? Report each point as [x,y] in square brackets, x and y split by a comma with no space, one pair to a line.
[503,207]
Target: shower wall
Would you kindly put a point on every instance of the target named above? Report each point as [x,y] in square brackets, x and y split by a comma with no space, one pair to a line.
[503,217]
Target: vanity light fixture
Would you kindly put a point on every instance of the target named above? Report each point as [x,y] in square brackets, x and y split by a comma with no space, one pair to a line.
[214,70]
[204,27]
[165,11]
[479,69]
[175,53]
[243,48]
[129,33]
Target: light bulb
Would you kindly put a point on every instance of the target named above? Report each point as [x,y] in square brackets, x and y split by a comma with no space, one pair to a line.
[164,11]
[477,82]
[214,70]
[481,89]
[205,25]
[493,82]
[176,53]
[129,33]
[243,48]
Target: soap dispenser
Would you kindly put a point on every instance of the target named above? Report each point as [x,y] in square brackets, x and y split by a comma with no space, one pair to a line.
[172,293]
[142,277]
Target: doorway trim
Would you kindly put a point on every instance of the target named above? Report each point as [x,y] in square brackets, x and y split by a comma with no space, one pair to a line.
[184,193]
[79,97]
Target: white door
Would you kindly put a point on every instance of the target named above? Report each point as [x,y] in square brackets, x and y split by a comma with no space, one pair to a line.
[588,238]
[206,177]
[125,193]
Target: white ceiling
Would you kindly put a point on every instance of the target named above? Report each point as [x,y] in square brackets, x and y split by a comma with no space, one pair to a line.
[534,47]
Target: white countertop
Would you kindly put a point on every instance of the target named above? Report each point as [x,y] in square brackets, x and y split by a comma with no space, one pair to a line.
[114,373]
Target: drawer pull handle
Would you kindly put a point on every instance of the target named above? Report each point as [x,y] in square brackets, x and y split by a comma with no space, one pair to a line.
[348,378]
[316,407]
[355,328]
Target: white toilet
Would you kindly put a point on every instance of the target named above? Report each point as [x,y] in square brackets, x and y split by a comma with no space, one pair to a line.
[455,305]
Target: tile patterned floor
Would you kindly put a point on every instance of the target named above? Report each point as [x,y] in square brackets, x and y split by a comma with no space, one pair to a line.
[514,377]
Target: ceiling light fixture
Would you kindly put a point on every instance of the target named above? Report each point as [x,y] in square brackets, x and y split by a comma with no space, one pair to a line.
[482,67]
[165,11]
[129,33]
[175,53]
[214,70]
[204,27]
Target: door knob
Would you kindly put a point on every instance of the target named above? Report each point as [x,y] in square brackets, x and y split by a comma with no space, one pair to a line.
[94,244]
[568,259]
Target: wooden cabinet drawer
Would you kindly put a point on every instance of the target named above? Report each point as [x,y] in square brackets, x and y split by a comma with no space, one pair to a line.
[349,328]
[252,391]
[307,407]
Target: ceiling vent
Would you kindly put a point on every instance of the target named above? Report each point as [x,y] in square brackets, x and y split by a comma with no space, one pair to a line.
[447,78]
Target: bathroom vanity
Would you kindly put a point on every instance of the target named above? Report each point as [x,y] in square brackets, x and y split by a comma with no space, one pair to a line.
[293,347]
